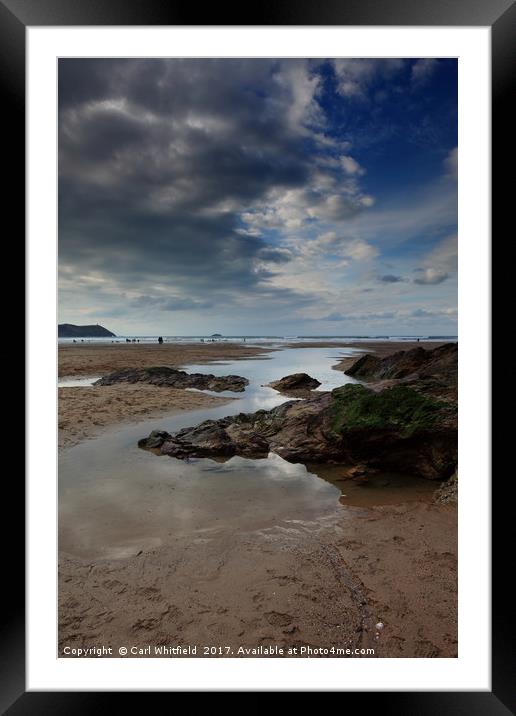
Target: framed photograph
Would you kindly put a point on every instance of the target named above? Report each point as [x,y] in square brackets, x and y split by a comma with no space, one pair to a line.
[252,252]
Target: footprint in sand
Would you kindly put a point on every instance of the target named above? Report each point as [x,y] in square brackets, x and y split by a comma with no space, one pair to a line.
[278,619]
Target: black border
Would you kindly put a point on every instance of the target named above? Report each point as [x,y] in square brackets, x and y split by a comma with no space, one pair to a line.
[15,16]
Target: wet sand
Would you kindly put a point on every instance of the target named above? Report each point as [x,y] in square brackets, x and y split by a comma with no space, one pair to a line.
[320,584]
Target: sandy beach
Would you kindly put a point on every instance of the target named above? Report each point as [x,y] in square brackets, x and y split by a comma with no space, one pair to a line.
[318,585]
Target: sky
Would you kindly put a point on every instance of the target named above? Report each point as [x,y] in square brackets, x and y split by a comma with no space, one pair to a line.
[258,196]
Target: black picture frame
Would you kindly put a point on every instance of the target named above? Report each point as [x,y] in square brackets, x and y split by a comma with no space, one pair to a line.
[15,17]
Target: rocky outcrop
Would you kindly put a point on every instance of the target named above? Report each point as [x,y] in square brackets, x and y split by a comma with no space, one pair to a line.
[295,384]
[398,429]
[416,363]
[173,378]
[69,330]
[433,372]
[364,367]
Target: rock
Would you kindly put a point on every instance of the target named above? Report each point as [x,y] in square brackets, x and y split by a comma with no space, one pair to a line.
[417,364]
[173,378]
[364,367]
[155,439]
[295,384]
[448,492]
[398,429]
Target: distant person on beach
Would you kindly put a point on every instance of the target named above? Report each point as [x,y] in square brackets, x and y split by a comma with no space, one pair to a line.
[160,340]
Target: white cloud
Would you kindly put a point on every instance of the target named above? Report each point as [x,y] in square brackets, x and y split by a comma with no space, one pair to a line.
[431,276]
[351,166]
[445,254]
[439,263]
[292,209]
[355,249]
[303,110]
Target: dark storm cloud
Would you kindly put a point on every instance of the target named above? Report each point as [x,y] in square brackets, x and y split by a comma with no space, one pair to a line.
[169,303]
[84,80]
[375,316]
[277,256]
[158,157]
[390,278]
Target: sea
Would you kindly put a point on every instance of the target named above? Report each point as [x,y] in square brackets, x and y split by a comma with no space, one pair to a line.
[257,340]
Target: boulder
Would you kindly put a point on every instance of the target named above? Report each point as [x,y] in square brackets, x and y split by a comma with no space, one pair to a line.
[296,383]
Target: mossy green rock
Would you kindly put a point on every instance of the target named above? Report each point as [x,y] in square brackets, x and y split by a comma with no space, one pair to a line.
[399,408]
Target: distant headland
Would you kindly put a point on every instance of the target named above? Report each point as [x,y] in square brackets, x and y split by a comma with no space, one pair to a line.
[68,330]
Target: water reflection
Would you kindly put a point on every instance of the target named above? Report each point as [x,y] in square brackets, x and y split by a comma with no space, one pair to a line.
[141,502]
[380,488]
[317,362]
[77,382]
